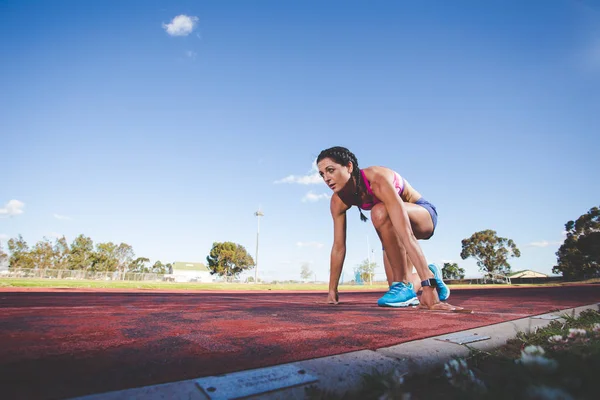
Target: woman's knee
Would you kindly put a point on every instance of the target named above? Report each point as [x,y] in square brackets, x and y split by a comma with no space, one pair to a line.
[379,215]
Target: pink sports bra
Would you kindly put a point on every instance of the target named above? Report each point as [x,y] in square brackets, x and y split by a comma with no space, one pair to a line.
[398,184]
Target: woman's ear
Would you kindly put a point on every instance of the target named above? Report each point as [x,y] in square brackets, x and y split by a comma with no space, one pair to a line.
[350,167]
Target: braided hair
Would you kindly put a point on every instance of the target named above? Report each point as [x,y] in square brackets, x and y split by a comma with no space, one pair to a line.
[343,156]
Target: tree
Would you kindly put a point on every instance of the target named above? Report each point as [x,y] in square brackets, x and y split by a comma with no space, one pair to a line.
[305,271]
[490,251]
[124,255]
[43,254]
[61,253]
[366,269]
[228,259]
[105,259]
[579,255]
[139,265]
[3,255]
[160,268]
[20,256]
[452,271]
[81,253]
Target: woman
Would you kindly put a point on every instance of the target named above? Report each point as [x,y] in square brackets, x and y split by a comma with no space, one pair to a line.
[400,216]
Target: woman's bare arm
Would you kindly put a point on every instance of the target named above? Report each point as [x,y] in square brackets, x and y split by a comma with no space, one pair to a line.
[338,250]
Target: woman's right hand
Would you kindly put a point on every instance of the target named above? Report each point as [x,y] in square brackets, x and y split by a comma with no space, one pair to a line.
[333,297]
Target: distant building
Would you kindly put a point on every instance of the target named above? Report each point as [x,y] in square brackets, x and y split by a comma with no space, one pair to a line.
[190,272]
[527,274]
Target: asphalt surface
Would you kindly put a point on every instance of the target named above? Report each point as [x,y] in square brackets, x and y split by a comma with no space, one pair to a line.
[57,344]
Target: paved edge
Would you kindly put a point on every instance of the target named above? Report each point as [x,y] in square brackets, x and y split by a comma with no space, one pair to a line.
[342,374]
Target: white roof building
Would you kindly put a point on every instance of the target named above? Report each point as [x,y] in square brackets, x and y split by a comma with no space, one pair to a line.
[527,274]
[191,272]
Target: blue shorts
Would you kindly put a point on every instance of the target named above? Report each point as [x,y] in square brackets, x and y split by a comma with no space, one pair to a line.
[432,211]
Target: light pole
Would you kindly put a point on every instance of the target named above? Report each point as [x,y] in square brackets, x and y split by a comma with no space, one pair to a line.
[258,215]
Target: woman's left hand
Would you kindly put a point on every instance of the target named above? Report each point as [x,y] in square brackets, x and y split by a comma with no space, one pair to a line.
[430,300]
[429,297]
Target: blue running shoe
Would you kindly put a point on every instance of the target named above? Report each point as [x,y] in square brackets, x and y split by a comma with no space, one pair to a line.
[400,295]
[442,289]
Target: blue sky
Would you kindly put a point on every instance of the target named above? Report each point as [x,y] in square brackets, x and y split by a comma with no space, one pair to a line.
[127,124]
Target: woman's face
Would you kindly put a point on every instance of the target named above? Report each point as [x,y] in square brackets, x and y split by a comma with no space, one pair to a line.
[335,175]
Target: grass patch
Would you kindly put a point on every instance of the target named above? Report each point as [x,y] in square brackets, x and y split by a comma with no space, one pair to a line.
[560,361]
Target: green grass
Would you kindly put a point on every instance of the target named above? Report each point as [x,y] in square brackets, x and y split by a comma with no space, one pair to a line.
[194,286]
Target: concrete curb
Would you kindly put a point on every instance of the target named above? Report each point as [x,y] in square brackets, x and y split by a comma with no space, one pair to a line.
[342,373]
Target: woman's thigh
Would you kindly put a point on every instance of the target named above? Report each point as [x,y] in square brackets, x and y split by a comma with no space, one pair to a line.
[420,220]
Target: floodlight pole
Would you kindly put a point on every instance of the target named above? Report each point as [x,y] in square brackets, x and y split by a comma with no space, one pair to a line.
[258,215]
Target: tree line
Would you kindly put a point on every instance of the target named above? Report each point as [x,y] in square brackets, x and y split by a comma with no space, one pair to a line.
[80,254]
[577,258]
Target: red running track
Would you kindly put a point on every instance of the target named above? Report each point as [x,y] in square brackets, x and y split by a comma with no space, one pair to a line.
[56,344]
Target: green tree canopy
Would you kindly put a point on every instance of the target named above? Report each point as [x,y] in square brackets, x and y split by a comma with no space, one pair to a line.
[124,255]
[61,253]
[105,257]
[579,255]
[228,259]
[452,271]
[160,268]
[139,265]
[43,254]
[20,256]
[490,251]
[305,271]
[3,255]
[81,254]
[366,269]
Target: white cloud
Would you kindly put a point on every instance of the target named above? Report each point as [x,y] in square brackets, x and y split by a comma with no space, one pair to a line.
[313,197]
[316,245]
[13,207]
[64,217]
[303,180]
[181,25]
[543,243]
[311,178]
[190,54]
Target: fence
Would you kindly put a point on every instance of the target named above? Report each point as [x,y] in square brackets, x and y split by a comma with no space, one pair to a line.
[494,278]
[28,273]
[512,281]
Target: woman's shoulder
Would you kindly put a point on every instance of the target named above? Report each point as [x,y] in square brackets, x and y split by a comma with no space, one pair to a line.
[376,173]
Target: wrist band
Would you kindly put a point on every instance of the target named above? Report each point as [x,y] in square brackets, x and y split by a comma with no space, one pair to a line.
[429,282]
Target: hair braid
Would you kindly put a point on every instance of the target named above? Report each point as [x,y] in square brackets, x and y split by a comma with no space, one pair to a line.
[343,156]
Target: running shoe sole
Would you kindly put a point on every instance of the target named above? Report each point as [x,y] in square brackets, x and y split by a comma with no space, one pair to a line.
[408,303]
